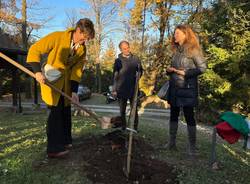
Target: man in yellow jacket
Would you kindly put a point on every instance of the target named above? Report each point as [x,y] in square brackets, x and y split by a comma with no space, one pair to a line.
[66,54]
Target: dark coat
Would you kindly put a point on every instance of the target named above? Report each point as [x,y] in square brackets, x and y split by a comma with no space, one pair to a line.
[183,91]
[125,75]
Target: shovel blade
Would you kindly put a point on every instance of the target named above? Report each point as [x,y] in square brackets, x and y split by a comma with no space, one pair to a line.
[106,122]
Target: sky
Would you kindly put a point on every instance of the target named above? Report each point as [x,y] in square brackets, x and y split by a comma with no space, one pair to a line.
[57,9]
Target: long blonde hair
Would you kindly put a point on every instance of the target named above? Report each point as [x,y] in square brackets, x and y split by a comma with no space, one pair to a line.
[190,44]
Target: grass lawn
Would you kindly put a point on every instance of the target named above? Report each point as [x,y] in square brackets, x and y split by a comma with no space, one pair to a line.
[234,162]
[23,142]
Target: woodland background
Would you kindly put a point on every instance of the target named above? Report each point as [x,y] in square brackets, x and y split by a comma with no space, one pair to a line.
[223,27]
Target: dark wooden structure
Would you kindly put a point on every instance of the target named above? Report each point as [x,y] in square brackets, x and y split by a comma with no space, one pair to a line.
[12,50]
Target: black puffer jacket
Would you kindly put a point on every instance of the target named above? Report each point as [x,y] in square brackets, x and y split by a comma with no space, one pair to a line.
[183,91]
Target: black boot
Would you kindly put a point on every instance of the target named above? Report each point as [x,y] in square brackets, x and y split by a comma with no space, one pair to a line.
[173,127]
[192,150]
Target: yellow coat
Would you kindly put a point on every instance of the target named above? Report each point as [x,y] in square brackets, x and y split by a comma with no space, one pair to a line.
[57,46]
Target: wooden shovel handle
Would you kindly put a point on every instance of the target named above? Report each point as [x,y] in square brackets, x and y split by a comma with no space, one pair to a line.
[19,66]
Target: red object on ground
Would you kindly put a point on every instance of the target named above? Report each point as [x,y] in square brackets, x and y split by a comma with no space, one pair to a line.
[227,132]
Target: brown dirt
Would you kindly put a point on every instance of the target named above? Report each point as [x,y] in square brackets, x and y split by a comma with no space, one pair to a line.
[94,157]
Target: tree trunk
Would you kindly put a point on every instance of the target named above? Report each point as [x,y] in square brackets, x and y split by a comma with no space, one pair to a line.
[28,86]
[162,27]
[98,49]
[163,19]
[98,79]
[143,24]
[24,24]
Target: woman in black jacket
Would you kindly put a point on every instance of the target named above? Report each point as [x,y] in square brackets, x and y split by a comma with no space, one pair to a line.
[187,64]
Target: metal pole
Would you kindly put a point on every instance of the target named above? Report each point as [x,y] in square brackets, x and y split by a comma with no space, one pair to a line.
[213,149]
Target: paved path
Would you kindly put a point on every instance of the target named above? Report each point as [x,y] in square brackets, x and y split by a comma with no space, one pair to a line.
[101,108]
[159,117]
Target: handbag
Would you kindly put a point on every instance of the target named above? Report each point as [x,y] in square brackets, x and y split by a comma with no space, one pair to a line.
[163,92]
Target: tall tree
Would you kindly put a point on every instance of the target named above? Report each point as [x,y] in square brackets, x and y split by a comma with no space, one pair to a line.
[24,25]
[109,56]
[105,14]
[21,28]
[72,17]
[225,85]
[160,12]
[30,18]
[138,17]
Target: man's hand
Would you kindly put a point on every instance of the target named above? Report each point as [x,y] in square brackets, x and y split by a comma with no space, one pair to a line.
[114,94]
[40,77]
[171,69]
[75,97]
[180,72]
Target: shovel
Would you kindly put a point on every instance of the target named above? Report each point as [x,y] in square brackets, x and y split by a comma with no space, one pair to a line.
[104,121]
[127,168]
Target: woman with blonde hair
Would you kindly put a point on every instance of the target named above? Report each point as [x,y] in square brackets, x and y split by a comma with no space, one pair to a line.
[187,64]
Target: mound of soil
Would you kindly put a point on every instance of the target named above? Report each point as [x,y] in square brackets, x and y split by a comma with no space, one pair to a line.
[103,160]
[107,165]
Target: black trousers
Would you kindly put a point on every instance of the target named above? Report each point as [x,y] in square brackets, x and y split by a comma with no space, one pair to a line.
[188,114]
[58,127]
[123,105]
